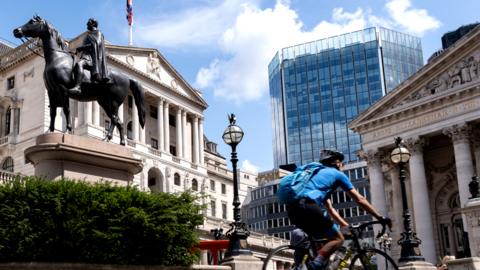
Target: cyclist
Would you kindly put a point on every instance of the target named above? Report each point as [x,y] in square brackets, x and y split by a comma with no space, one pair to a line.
[310,212]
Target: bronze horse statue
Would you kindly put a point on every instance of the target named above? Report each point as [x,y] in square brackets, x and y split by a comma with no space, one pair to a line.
[59,63]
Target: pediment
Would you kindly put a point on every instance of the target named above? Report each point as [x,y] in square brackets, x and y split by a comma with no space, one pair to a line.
[152,65]
[455,70]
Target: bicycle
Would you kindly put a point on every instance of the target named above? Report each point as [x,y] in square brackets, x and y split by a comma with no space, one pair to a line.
[355,257]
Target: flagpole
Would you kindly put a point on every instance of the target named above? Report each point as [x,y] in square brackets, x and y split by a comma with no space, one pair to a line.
[130,35]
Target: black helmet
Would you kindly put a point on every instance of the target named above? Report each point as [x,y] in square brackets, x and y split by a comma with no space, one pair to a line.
[329,156]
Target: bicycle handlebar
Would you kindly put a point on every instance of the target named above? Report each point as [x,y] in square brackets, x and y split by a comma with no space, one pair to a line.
[361,228]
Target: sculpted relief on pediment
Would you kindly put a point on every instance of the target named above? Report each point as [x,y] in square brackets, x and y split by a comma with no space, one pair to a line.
[464,71]
[153,65]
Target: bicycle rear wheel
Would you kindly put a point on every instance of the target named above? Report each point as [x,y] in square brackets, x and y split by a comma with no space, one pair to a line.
[276,252]
[372,259]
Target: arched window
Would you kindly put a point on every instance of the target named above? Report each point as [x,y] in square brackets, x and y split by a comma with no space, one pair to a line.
[176,179]
[129,131]
[7,120]
[194,184]
[7,164]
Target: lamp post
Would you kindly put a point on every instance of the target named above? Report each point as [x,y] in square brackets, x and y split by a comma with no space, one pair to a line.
[409,241]
[238,232]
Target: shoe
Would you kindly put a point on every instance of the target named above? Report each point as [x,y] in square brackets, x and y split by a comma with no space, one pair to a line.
[316,265]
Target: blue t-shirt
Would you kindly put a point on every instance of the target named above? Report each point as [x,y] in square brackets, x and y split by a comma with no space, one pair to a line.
[322,184]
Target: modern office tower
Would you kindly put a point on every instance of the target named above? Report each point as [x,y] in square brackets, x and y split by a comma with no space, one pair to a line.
[316,88]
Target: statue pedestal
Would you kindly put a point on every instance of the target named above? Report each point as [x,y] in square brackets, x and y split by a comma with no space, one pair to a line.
[419,265]
[243,262]
[472,215]
[57,155]
[472,263]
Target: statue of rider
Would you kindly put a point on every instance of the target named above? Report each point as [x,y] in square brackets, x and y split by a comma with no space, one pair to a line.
[92,57]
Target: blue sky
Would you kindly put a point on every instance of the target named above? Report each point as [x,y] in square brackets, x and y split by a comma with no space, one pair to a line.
[223,47]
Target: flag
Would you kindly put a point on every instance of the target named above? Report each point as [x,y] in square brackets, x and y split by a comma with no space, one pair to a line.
[129,12]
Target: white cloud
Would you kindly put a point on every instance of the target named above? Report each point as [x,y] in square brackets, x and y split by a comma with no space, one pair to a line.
[198,26]
[254,39]
[248,36]
[415,21]
[247,166]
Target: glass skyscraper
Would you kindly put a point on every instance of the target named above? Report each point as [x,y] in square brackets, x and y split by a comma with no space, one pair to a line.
[316,88]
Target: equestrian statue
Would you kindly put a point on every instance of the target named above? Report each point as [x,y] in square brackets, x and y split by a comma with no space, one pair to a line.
[85,79]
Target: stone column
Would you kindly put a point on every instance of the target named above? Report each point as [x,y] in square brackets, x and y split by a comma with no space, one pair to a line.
[96,114]
[166,127]
[377,188]
[397,211]
[476,149]
[87,112]
[184,133]
[179,132]
[160,125]
[195,147]
[141,132]
[420,199]
[135,123]
[200,140]
[460,135]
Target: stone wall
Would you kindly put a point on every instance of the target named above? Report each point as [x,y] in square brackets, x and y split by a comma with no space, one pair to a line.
[83,266]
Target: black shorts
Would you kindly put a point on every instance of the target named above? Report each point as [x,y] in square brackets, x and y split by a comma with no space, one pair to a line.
[312,219]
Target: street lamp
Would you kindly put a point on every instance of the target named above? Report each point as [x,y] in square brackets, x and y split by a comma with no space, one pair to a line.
[238,232]
[409,241]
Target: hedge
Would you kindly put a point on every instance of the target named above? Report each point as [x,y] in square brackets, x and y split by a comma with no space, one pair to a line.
[73,221]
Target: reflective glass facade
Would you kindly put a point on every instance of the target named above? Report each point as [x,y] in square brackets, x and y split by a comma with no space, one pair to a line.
[316,88]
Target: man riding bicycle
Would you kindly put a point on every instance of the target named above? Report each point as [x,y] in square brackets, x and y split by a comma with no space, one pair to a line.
[309,213]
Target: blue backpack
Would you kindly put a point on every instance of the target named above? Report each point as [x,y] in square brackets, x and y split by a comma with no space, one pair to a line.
[291,186]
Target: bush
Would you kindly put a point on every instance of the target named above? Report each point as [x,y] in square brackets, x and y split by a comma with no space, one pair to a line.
[68,221]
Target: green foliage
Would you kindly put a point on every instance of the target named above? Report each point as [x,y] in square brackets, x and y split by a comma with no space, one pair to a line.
[70,221]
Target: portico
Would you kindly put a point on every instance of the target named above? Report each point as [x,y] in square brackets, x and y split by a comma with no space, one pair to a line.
[437,112]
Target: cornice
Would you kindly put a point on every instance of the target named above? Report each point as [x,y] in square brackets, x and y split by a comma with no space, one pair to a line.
[25,55]
[421,106]
[164,62]
[435,67]
[148,78]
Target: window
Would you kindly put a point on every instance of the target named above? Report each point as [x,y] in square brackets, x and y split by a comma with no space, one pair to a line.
[7,120]
[212,185]
[173,150]
[10,82]
[213,208]
[176,179]
[151,181]
[129,131]
[153,112]
[194,184]
[172,120]
[224,210]
[154,143]
[224,189]
[7,164]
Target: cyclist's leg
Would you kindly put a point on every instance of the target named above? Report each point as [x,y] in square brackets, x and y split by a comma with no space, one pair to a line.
[302,216]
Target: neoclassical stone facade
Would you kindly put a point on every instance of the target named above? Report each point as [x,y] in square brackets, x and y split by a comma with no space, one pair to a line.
[171,146]
[437,113]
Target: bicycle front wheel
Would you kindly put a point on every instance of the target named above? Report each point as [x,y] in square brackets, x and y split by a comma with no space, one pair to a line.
[276,252]
[372,259]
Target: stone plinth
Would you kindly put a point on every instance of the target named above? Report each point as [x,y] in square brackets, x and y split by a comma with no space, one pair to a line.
[57,155]
[416,266]
[472,263]
[472,215]
[243,262]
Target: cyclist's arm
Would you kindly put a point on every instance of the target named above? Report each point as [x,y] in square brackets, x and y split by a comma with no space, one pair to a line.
[334,214]
[362,201]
